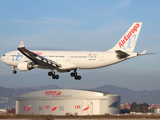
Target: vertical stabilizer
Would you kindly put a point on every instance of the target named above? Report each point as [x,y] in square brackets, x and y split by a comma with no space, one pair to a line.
[128,41]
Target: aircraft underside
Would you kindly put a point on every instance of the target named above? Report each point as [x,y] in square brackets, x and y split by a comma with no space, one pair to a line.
[53,74]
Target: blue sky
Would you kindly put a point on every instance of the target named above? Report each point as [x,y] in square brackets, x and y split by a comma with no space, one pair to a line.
[82,25]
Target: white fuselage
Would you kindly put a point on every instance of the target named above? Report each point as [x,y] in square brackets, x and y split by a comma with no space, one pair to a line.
[82,60]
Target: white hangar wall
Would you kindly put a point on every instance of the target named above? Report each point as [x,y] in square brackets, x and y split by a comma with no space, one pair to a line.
[62,101]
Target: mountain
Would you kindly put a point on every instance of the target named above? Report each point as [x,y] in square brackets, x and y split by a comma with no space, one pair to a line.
[7,96]
[130,96]
[24,90]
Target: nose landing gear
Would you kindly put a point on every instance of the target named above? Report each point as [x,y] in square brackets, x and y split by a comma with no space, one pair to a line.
[14,71]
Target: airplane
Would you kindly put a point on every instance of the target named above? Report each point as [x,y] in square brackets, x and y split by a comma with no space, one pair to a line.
[66,61]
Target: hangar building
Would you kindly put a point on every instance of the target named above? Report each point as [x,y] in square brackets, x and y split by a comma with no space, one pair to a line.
[62,101]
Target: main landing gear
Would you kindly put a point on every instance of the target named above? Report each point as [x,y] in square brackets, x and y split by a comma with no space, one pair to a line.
[53,75]
[14,71]
[75,75]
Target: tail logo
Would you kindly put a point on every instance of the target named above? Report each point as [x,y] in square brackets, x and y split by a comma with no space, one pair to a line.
[17,57]
[131,39]
[59,92]
[29,108]
[131,42]
[86,108]
[55,107]
[21,44]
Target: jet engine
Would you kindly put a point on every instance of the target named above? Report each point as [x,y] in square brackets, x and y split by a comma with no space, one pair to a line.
[25,66]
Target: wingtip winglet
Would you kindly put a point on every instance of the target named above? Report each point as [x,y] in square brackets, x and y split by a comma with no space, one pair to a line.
[21,44]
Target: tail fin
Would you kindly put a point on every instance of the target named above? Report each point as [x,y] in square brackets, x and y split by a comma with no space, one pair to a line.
[128,41]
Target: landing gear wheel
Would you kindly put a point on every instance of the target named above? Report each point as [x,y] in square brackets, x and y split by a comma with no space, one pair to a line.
[14,71]
[55,76]
[72,74]
[77,77]
[50,73]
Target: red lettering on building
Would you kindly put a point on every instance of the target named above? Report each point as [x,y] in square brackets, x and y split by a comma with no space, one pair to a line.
[24,107]
[77,107]
[126,37]
[47,107]
[49,93]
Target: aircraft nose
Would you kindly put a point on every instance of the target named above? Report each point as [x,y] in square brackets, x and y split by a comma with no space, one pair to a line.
[2,58]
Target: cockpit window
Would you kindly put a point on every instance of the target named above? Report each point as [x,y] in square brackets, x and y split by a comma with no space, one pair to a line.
[4,55]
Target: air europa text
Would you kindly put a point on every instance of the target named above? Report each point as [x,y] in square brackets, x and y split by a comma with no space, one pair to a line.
[126,37]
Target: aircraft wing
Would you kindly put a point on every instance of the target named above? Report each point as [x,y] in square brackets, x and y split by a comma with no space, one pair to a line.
[37,59]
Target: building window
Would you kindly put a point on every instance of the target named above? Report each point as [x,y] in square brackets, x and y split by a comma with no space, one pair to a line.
[39,108]
[115,104]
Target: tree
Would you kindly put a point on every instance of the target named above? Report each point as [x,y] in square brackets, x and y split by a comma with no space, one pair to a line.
[139,108]
[133,107]
[145,107]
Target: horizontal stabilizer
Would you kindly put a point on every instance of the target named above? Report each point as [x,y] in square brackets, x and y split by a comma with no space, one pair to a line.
[121,54]
[144,53]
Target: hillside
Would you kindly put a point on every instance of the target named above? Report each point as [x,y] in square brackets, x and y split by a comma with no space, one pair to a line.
[130,96]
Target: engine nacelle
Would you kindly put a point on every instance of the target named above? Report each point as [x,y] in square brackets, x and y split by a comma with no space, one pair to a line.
[25,66]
